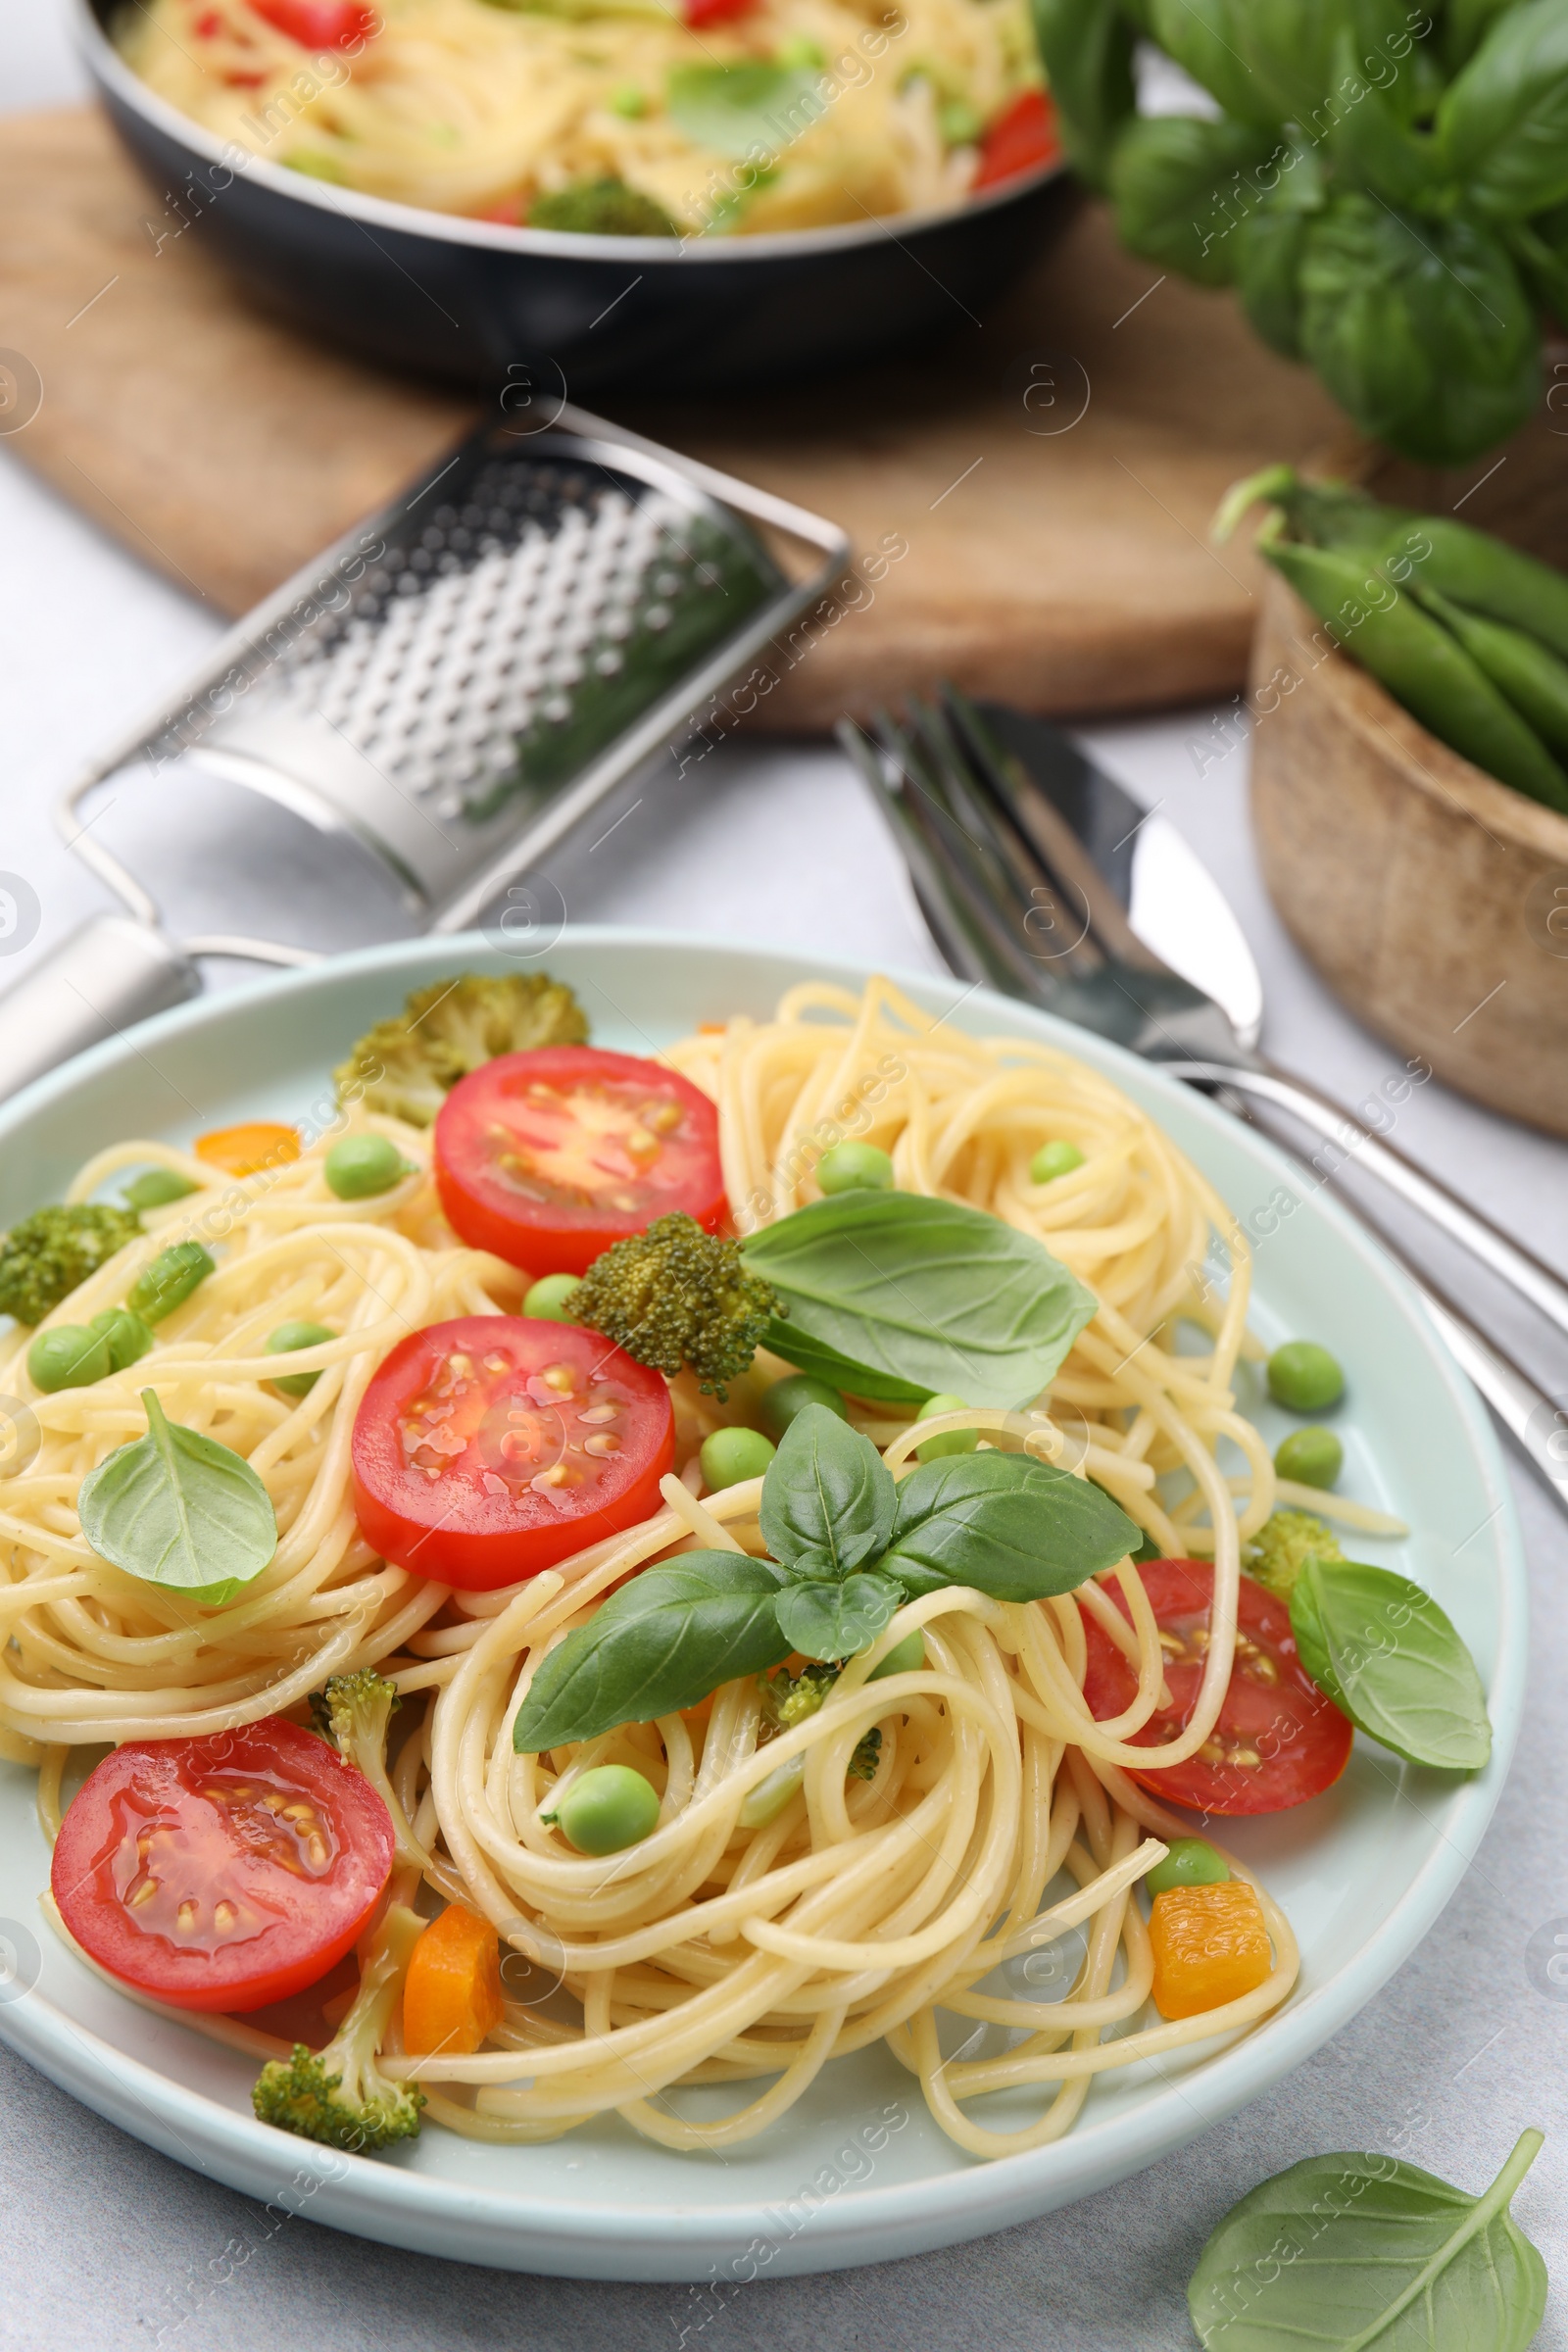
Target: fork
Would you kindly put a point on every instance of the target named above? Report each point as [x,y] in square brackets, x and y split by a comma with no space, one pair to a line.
[993,863]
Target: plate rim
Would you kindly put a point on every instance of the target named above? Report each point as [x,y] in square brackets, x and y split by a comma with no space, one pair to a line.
[664,2240]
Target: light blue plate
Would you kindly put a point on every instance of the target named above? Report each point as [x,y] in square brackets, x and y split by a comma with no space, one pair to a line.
[856,2171]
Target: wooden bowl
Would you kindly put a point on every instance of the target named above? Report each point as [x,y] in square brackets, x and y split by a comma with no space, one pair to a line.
[1433,900]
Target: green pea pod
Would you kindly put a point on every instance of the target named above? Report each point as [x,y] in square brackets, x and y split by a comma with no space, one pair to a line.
[1422,666]
[1087,46]
[1535,681]
[1430,551]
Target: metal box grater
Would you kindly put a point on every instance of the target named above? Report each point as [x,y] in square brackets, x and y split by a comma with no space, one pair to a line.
[455,684]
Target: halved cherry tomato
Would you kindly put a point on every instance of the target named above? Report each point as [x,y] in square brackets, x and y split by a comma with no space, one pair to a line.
[246,1150]
[222,1873]
[489,1447]
[321,24]
[699,13]
[1278,1741]
[548,1158]
[1016,141]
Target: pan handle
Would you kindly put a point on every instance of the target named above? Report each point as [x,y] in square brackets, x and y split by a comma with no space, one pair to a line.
[100,979]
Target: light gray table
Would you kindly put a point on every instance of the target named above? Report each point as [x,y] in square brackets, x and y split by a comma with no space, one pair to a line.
[104,2244]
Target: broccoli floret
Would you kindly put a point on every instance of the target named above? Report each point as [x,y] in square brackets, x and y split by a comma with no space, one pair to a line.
[352,1712]
[339,2095]
[44,1258]
[676,1295]
[789,1698]
[406,1068]
[602,208]
[1283,1545]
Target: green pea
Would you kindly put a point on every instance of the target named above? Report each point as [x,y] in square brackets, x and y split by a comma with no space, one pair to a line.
[803,53]
[787,1397]
[1054,1159]
[128,1335]
[628,99]
[284,1342]
[169,1280]
[154,1187]
[855,1169]
[951,1440]
[550,1299]
[1312,1458]
[905,1657]
[359,1166]
[732,1455]
[1304,1377]
[1190,1862]
[68,1358]
[607,1809]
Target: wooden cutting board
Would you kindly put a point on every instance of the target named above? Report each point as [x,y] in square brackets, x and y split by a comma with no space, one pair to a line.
[1061,565]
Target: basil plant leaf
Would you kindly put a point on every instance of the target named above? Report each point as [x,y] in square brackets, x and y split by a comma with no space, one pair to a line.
[1011,1527]
[1390,1659]
[660,1643]
[1504,121]
[1173,184]
[1422,331]
[750,111]
[179,1509]
[1087,49]
[894,1297]
[828,1497]
[1362,2253]
[1207,39]
[827,1620]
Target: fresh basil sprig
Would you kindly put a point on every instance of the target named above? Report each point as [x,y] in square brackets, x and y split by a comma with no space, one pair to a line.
[1389,1658]
[1363,2253]
[899,1297]
[176,1508]
[851,1545]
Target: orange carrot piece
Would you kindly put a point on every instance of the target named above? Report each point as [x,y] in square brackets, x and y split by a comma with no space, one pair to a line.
[1210,1946]
[246,1150]
[451,1995]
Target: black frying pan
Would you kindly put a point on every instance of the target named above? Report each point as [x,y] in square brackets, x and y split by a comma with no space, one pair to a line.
[470,301]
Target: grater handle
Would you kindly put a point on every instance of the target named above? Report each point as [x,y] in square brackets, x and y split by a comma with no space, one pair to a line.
[109,973]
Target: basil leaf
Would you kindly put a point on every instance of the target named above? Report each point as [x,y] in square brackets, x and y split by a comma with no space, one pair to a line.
[660,1643]
[1010,1526]
[751,112]
[176,1508]
[1173,180]
[1503,122]
[1087,49]
[1389,1658]
[1207,39]
[826,1620]
[827,1497]
[1363,2251]
[1423,331]
[894,1297]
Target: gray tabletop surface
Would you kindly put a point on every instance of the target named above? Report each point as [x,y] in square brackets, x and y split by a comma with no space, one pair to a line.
[104,2244]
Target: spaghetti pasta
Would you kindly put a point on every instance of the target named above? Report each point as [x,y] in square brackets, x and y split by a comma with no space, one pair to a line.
[712,1954]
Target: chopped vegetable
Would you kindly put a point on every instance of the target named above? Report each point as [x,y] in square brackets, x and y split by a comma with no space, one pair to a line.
[406,1068]
[353,1712]
[127,1335]
[169,1280]
[247,1150]
[1304,1377]
[676,1295]
[549,1301]
[1210,1946]
[284,1342]
[1020,140]
[69,1357]
[359,1166]
[950,1441]
[339,2095]
[607,1809]
[452,1998]
[791,1396]
[1309,1457]
[318,24]
[730,1456]
[855,1169]
[155,1188]
[45,1257]
[1189,1862]
[792,1698]
[1056,1159]
[1281,1546]
[600,208]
